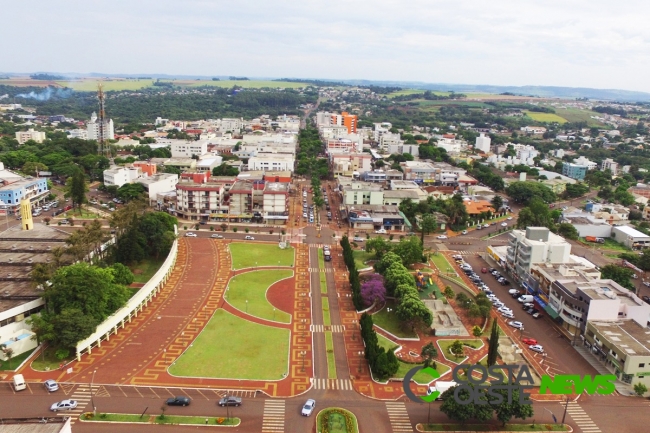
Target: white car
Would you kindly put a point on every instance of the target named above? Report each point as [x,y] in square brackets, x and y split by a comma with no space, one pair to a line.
[513,291]
[217,236]
[504,224]
[358,239]
[504,309]
[380,231]
[249,238]
[304,215]
[498,304]
[516,324]
[51,385]
[509,218]
[190,235]
[63,405]
[527,305]
[537,348]
[508,315]
[464,232]
[308,408]
[441,237]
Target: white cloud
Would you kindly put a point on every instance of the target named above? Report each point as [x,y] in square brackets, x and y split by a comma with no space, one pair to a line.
[577,43]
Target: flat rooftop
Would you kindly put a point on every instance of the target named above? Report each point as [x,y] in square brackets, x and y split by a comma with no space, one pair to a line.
[627,335]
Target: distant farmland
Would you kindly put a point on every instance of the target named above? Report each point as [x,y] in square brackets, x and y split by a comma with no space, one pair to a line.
[545,117]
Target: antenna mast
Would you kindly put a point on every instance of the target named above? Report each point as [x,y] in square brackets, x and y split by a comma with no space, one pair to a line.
[102,120]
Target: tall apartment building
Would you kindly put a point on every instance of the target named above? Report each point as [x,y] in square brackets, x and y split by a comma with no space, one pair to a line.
[187,149]
[275,203]
[119,176]
[535,245]
[574,171]
[483,143]
[25,136]
[93,128]
[198,197]
[609,164]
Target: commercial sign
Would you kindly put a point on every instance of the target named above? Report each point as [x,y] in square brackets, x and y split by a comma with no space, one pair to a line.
[473,384]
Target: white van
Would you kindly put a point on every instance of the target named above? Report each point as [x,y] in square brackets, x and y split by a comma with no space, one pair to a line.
[441,387]
[19,382]
[525,298]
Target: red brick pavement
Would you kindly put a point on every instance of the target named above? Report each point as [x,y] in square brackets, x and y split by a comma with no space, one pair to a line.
[140,353]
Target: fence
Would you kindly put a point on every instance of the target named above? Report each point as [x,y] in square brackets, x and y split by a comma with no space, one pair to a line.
[132,308]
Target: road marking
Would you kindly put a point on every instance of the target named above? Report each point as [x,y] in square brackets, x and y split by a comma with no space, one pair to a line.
[582,420]
[323,328]
[340,384]
[398,417]
[273,417]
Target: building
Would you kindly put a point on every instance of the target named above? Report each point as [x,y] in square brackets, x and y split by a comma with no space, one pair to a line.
[200,197]
[388,139]
[483,143]
[558,186]
[349,165]
[275,203]
[188,149]
[533,129]
[350,121]
[272,162]
[25,136]
[93,128]
[583,161]
[209,163]
[413,149]
[395,197]
[476,207]
[246,200]
[630,237]
[623,346]
[158,183]
[535,245]
[609,164]
[54,424]
[587,224]
[13,190]
[362,193]
[147,168]
[419,171]
[574,171]
[118,176]
[374,217]
[82,134]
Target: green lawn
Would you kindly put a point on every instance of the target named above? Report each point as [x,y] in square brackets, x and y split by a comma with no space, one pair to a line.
[327,320]
[251,255]
[578,115]
[231,347]
[146,269]
[115,417]
[443,265]
[247,292]
[545,117]
[196,420]
[386,343]
[389,322]
[409,92]
[49,361]
[494,427]
[419,378]
[250,84]
[15,361]
[91,85]
[445,344]
[331,362]
[321,277]
[333,420]
[360,257]
[74,214]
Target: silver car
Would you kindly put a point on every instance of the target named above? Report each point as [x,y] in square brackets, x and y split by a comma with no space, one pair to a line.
[63,405]
[308,408]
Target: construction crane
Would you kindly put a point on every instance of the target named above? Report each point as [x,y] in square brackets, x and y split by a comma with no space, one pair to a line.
[102,119]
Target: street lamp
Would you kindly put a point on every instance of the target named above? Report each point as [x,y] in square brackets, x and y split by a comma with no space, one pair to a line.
[92,394]
[274,314]
[552,414]
[360,353]
[354,328]
[246,306]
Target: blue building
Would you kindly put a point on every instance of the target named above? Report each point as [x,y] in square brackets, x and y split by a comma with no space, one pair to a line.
[11,193]
[574,171]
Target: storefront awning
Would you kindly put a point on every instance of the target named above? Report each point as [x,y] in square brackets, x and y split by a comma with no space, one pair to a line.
[551,312]
[540,301]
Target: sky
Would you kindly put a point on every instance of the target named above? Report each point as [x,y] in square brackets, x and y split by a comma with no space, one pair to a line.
[574,43]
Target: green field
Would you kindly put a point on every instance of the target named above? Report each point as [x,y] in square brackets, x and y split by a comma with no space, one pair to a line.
[327,320]
[90,85]
[578,115]
[386,343]
[389,321]
[143,271]
[545,117]
[253,255]
[331,362]
[420,378]
[360,257]
[231,347]
[247,292]
[107,85]
[249,84]
[333,420]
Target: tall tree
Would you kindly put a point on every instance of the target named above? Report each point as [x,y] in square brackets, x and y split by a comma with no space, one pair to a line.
[497,202]
[493,345]
[76,188]
[429,353]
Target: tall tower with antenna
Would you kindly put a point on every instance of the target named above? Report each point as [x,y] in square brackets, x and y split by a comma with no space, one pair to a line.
[102,121]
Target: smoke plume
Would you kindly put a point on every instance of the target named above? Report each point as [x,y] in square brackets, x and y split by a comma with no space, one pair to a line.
[47,94]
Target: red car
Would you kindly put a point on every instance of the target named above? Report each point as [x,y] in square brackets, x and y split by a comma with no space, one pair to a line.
[484,270]
[529,341]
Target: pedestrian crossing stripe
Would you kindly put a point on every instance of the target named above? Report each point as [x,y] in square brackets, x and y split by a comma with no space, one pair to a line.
[340,384]
[321,269]
[273,417]
[398,417]
[580,417]
[323,328]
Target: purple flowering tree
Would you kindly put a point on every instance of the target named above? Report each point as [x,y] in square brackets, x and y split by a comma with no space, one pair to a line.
[373,290]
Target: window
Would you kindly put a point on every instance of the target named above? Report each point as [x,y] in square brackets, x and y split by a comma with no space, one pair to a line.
[642,365]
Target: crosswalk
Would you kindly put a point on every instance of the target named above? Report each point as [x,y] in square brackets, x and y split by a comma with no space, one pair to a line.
[273,418]
[398,417]
[581,418]
[340,384]
[323,328]
[321,269]
[83,396]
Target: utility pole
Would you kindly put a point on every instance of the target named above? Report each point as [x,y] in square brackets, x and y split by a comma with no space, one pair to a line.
[102,119]
[566,405]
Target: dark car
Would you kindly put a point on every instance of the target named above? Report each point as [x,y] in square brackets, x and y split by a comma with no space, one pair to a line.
[230,401]
[646,299]
[179,401]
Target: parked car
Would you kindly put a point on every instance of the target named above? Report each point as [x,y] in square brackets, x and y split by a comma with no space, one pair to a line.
[509,218]
[536,348]
[646,283]
[504,224]
[527,305]
[508,315]
[646,299]
[380,231]
[249,238]
[358,239]
[479,227]
[504,309]
[529,341]
[441,237]
[217,236]
[179,401]
[308,408]
[464,232]
[516,324]
[63,405]
[190,235]
[51,385]
[484,270]
[230,400]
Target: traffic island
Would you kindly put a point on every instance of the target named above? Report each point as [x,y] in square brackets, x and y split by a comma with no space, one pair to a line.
[336,420]
[458,428]
[124,418]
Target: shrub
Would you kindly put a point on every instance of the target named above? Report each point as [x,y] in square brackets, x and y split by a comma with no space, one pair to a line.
[246,230]
[197,226]
[284,232]
[476,331]
[224,227]
[234,229]
[211,228]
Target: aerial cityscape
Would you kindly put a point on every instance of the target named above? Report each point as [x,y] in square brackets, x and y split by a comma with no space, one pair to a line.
[254,239]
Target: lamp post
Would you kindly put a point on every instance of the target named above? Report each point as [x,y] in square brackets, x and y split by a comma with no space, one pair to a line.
[566,405]
[552,414]
[92,394]
[246,306]
[360,353]
[274,314]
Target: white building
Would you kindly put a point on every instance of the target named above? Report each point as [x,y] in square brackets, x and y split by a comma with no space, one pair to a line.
[333,131]
[272,162]
[25,136]
[584,161]
[559,153]
[609,164]
[533,129]
[187,149]
[232,125]
[400,149]
[388,139]
[119,176]
[630,237]
[209,163]
[451,145]
[79,133]
[535,245]
[93,127]
[483,143]
[159,183]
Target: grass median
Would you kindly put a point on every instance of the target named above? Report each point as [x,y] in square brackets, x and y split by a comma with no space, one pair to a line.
[252,255]
[331,362]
